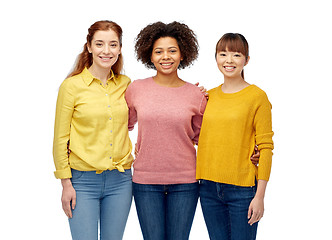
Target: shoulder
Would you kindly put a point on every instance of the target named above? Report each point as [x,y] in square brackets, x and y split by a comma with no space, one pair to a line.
[71,82]
[138,83]
[193,89]
[213,90]
[137,86]
[258,92]
[259,95]
[122,79]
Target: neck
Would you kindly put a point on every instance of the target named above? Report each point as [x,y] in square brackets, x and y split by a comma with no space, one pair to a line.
[100,73]
[168,80]
[232,85]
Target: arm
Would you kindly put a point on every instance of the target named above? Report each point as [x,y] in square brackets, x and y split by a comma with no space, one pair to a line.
[203,90]
[197,120]
[63,119]
[255,156]
[256,208]
[68,198]
[132,114]
[264,133]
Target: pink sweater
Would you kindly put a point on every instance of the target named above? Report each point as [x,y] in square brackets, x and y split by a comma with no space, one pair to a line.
[169,121]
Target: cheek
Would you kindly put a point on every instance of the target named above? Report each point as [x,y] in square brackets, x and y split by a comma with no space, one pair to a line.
[219,64]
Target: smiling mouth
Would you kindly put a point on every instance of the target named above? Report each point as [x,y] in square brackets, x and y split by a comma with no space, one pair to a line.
[229,68]
[105,58]
[166,64]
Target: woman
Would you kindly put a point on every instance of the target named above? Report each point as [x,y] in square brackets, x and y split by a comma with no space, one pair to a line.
[169,112]
[92,115]
[237,117]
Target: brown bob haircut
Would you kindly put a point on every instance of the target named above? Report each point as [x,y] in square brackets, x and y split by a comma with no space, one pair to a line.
[233,42]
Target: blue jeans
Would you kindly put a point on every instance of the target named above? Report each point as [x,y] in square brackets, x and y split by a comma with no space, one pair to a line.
[166,212]
[225,210]
[102,201]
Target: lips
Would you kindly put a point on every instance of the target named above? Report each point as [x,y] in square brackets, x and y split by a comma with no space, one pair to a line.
[105,58]
[166,64]
[229,68]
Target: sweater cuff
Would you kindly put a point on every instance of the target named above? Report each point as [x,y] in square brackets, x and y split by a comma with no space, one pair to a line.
[265,162]
[64,173]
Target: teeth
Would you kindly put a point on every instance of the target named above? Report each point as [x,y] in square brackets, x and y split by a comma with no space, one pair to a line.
[229,68]
[166,64]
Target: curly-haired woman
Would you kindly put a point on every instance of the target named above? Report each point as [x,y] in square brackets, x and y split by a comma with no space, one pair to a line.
[169,112]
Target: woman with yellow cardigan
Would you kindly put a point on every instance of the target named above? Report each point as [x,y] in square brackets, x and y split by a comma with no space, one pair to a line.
[237,117]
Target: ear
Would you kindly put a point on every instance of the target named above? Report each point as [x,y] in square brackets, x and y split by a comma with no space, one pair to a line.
[248,58]
[89,49]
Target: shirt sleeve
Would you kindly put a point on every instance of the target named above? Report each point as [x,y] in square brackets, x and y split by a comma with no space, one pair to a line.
[132,114]
[264,133]
[197,119]
[63,118]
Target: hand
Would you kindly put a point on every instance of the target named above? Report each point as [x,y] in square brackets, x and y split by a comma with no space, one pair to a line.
[136,151]
[68,198]
[255,157]
[256,210]
[203,90]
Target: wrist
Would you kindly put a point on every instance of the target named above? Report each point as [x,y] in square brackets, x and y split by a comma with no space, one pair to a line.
[66,182]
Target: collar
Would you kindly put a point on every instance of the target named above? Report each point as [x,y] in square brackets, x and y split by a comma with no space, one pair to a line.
[88,77]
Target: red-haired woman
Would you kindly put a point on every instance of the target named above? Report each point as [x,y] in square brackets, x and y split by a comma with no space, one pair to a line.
[92,115]
[237,117]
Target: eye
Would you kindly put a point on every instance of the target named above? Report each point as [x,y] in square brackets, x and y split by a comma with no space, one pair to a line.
[157,52]
[237,55]
[99,44]
[222,54]
[114,45]
[173,50]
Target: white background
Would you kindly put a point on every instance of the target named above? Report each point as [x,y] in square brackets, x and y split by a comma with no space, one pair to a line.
[290,48]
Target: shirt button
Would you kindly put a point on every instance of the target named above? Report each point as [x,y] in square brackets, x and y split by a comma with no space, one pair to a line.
[109,106]
[111,144]
[111,131]
[106,94]
[110,118]
[110,157]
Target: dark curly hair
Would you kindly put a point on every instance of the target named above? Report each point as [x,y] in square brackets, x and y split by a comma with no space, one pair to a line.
[184,36]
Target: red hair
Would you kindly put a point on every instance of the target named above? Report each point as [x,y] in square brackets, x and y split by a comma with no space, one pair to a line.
[84,59]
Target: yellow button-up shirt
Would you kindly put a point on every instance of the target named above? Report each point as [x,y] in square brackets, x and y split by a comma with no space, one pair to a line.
[94,117]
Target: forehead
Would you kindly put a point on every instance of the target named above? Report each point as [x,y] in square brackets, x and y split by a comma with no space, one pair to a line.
[106,36]
[165,42]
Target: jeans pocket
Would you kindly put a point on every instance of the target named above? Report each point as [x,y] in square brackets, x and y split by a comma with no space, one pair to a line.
[76,174]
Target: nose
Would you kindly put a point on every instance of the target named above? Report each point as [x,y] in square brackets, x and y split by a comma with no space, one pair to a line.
[165,55]
[229,58]
[106,49]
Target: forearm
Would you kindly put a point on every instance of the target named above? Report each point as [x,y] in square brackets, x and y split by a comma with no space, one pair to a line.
[261,187]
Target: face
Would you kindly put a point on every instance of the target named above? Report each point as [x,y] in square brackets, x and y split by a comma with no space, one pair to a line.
[166,55]
[231,64]
[105,48]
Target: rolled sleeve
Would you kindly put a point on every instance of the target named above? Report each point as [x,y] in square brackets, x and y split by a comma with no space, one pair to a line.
[63,116]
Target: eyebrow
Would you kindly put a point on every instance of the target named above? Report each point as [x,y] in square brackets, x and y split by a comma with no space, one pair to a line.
[167,48]
[113,41]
